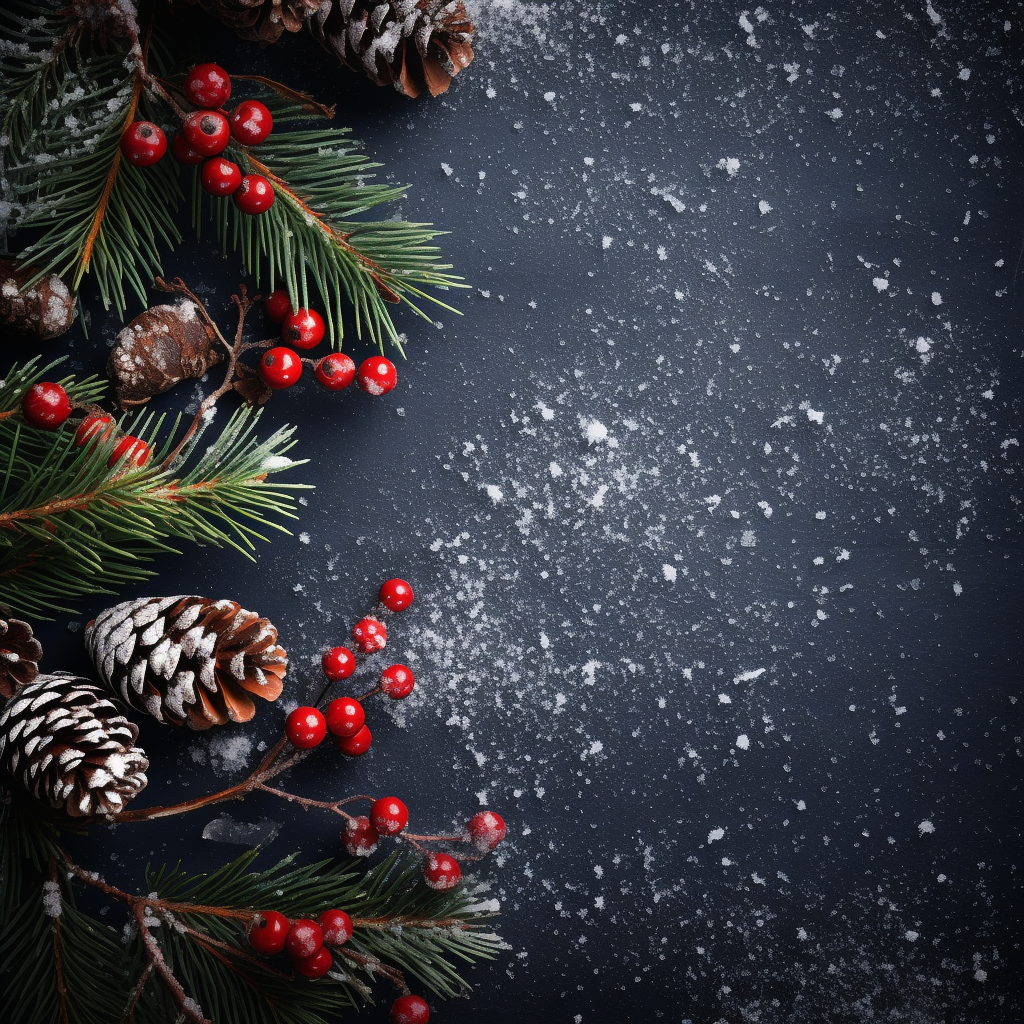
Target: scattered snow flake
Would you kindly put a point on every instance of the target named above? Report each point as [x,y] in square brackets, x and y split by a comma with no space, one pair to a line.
[555,470]
[980,975]
[814,416]
[881,283]
[748,539]
[835,113]
[936,298]
[958,588]
[447,169]
[550,97]
[606,241]
[749,674]
[669,572]
[493,492]
[925,827]
[965,73]
[730,165]
[911,936]
[593,430]
[763,505]
[764,208]
[743,741]
[715,834]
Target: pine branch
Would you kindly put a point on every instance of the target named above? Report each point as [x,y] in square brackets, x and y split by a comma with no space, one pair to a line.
[71,525]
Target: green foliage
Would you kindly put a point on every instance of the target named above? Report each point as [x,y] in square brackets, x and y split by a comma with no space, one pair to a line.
[64,105]
[70,525]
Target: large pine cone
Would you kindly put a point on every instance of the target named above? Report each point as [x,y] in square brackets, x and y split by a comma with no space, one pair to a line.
[410,44]
[67,745]
[19,655]
[262,21]
[187,659]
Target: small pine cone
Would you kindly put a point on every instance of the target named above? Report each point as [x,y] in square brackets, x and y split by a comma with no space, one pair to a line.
[262,21]
[187,659]
[160,348]
[410,44]
[40,313]
[65,742]
[20,652]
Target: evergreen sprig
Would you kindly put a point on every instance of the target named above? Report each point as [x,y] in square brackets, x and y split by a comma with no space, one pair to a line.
[185,952]
[64,104]
[71,525]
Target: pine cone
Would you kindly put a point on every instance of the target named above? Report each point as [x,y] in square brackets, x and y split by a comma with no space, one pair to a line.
[262,21]
[40,313]
[20,652]
[160,348]
[410,44]
[187,659]
[66,744]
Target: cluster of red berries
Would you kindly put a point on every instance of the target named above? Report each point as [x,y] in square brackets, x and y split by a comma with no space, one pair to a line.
[345,719]
[205,134]
[304,939]
[47,406]
[280,367]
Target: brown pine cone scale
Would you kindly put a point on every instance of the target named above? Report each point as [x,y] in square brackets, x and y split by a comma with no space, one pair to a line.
[20,652]
[187,659]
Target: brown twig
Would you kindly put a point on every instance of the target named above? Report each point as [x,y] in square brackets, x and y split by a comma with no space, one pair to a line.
[189,1008]
[58,965]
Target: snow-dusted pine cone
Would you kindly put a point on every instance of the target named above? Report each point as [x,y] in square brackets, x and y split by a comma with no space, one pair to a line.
[19,655]
[410,44]
[66,743]
[187,659]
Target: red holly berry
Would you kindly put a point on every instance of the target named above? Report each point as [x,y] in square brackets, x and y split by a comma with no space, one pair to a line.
[251,122]
[277,305]
[335,371]
[132,450]
[45,406]
[360,837]
[355,746]
[336,926]
[254,195]
[97,428]
[440,871]
[280,367]
[485,830]
[389,815]
[338,663]
[268,932]
[409,1010]
[304,938]
[315,966]
[207,85]
[345,717]
[183,152]
[396,595]
[370,635]
[306,728]
[397,681]
[304,328]
[143,143]
[220,177]
[206,131]
[377,375]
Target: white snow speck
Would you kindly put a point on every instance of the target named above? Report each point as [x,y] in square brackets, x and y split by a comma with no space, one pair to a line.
[716,833]
[550,97]
[749,674]
[555,470]
[764,208]
[814,416]
[493,492]
[606,241]
[669,572]
[594,431]
[730,165]
[880,283]
[835,113]
[743,741]
[925,827]
[936,298]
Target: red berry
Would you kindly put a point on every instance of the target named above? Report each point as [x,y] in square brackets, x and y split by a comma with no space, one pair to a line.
[441,871]
[409,1010]
[338,663]
[207,85]
[254,195]
[97,428]
[132,450]
[268,933]
[251,122]
[143,143]
[370,635]
[485,830]
[336,926]
[355,746]
[389,815]
[335,371]
[315,966]
[396,595]
[206,131]
[183,152]
[306,728]
[397,681]
[377,375]
[345,717]
[360,837]
[220,177]
[45,406]
[304,328]
[304,938]
[277,305]
[280,367]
